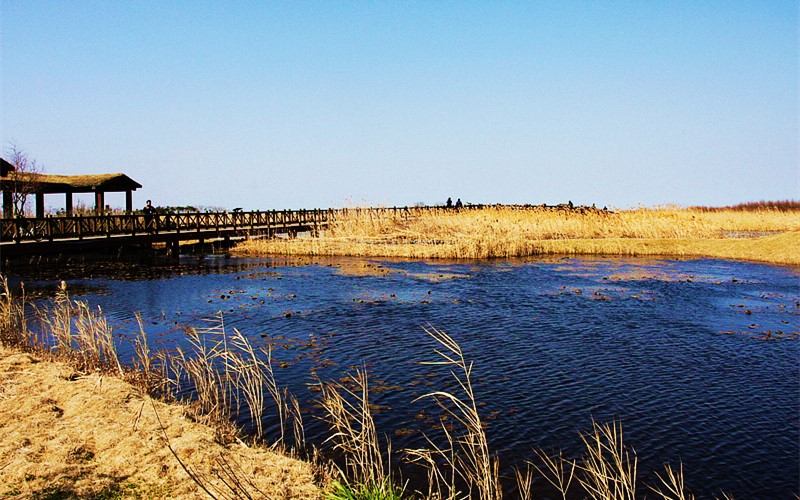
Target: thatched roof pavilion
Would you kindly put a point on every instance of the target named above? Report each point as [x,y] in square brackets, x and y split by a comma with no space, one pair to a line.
[41,184]
[5,167]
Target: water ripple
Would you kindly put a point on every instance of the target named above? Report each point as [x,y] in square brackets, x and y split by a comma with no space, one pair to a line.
[686,354]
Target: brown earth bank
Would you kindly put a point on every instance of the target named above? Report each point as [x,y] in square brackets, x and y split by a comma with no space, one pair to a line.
[67,434]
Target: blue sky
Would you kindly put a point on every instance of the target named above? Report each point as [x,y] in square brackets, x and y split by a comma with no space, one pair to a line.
[268,105]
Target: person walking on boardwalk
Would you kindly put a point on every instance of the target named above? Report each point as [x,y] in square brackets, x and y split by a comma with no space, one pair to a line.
[149,215]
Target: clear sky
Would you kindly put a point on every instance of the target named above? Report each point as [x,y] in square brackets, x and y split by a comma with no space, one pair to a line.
[297,104]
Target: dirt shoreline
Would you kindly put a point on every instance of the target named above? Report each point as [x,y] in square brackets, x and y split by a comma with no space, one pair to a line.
[67,434]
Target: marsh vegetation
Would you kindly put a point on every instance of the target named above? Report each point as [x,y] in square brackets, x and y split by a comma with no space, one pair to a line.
[765,232]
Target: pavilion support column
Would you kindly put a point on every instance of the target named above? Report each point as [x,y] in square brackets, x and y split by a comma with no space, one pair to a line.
[99,202]
[68,204]
[8,205]
[39,205]
[129,202]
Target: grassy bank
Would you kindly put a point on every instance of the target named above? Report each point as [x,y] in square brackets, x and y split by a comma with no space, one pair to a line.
[68,433]
[76,422]
[762,233]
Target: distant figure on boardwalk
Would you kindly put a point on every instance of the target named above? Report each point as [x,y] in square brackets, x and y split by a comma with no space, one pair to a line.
[149,214]
[449,203]
[459,204]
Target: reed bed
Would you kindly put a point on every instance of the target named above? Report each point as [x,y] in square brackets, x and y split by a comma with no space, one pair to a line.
[503,232]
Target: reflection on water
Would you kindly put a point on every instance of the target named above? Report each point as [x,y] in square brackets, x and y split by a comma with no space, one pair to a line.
[697,358]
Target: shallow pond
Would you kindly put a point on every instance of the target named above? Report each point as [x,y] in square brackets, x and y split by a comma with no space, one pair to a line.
[697,358]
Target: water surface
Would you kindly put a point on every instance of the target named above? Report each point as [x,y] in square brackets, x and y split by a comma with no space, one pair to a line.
[697,358]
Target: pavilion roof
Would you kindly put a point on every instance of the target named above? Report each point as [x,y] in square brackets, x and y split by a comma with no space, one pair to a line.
[51,183]
[5,167]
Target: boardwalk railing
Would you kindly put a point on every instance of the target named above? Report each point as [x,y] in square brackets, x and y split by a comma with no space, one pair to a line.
[80,227]
[181,225]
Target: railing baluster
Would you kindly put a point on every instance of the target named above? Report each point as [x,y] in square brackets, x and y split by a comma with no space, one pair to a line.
[81,227]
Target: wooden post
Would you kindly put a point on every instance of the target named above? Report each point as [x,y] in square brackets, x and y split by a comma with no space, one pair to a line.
[68,204]
[175,248]
[129,202]
[39,205]
[8,205]
[99,202]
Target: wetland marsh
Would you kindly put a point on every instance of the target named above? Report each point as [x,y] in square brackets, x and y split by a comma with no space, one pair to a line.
[696,357]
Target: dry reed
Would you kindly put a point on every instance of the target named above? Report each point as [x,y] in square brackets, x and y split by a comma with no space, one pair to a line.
[467,456]
[223,371]
[354,433]
[672,482]
[248,370]
[556,470]
[202,369]
[80,333]
[503,232]
[13,323]
[609,470]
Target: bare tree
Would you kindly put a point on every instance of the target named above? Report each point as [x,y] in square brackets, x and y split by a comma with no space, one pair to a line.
[21,181]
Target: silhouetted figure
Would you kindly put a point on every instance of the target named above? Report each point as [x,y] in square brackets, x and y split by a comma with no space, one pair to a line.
[449,203]
[458,203]
[570,204]
[149,215]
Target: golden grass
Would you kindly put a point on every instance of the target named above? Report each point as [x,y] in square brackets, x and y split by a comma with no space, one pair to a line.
[70,434]
[466,458]
[354,434]
[13,323]
[71,429]
[766,235]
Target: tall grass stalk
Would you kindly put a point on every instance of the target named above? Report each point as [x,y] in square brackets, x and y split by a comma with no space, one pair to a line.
[80,333]
[281,407]
[95,338]
[59,320]
[201,367]
[556,470]
[143,357]
[608,468]
[672,484]
[13,324]
[249,378]
[524,481]
[227,374]
[354,434]
[298,427]
[467,454]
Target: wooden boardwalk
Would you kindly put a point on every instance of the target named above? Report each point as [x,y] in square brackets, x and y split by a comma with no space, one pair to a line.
[32,236]
[46,235]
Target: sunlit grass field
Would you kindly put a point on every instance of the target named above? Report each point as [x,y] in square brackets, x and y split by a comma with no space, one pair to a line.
[765,232]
